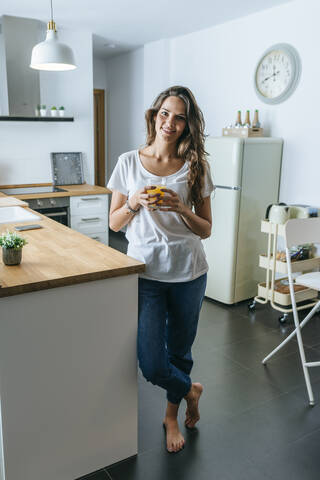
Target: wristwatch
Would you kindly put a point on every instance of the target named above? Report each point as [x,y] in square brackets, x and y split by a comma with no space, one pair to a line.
[130,208]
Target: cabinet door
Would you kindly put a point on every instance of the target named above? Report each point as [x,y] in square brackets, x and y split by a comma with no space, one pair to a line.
[89,215]
[87,223]
[100,237]
[221,246]
[89,204]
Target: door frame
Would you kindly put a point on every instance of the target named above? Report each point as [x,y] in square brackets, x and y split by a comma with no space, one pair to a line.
[99,137]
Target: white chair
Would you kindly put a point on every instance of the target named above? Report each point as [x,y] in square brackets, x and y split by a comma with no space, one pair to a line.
[297,232]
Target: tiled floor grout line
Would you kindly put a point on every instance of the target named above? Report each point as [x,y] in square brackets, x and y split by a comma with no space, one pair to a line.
[109,476]
[265,334]
[255,374]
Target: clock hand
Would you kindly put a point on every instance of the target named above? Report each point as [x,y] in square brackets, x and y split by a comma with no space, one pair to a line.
[273,75]
[267,78]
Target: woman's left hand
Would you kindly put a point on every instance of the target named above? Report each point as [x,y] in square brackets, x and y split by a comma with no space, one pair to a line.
[171,202]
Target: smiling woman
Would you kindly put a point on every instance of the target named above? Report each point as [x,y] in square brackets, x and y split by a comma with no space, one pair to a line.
[168,240]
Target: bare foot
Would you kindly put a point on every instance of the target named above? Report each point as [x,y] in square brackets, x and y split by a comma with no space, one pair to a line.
[175,440]
[192,412]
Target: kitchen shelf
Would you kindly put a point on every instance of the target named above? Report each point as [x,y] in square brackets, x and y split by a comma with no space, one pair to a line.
[284,299]
[281,267]
[11,118]
[272,228]
[267,291]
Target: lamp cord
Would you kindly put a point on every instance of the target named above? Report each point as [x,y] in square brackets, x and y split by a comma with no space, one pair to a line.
[51,10]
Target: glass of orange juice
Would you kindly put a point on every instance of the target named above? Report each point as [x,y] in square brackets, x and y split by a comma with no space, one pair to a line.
[155,190]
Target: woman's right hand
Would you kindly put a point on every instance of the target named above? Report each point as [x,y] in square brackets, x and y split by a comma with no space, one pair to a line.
[142,197]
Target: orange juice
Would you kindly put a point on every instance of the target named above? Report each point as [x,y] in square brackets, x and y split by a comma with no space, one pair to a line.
[157,189]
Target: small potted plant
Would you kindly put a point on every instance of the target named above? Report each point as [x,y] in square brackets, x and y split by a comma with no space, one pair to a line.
[61,111]
[12,244]
[54,111]
[43,110]
[37,110]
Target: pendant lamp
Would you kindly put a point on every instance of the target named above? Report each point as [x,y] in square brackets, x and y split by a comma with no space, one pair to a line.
[52,54]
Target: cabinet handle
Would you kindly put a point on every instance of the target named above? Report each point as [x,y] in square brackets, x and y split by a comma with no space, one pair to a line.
[90,198]
[56,214]
[92,219]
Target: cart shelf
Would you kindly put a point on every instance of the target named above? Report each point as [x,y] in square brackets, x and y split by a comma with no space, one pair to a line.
[267,291]
[284,299]
[273,228]
[281,267]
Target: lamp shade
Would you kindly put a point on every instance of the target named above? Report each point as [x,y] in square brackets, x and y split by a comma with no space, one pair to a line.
[52,55]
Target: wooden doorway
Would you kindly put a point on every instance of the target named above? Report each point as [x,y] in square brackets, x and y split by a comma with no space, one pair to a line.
[99,138]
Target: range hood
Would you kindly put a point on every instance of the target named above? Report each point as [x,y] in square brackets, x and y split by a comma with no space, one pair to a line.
[19,84]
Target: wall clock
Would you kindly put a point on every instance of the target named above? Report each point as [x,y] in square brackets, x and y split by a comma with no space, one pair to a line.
[277,73]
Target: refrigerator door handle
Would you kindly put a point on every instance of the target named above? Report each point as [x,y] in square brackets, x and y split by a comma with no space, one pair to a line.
[227,188]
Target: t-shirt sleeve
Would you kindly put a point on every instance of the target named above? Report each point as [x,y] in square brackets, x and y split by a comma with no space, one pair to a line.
[118,177]
[208,185]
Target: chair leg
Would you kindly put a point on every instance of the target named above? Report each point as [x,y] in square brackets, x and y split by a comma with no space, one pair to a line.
[292,334]
[305,369]
[298,330]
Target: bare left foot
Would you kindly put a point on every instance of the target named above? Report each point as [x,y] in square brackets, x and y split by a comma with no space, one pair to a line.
[192,399]
[175,440]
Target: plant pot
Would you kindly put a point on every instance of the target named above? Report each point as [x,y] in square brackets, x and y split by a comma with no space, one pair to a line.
[61,113]
[43,113]
[37,112]
[11,256]
[54,113]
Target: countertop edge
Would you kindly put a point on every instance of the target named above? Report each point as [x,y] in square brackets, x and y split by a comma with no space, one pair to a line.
[72,280]
[70,191]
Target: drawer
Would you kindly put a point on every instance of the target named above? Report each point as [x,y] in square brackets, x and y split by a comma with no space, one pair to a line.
[90,223]
[88,204]
[100,237]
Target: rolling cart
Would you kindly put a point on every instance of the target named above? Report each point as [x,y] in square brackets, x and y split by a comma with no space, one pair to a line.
[267,291]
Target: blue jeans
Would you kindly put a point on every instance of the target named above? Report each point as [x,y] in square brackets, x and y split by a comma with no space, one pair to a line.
[168,320]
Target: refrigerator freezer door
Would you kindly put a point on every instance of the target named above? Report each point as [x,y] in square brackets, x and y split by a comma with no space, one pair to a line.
[260,187]
[221,247]
[225,160]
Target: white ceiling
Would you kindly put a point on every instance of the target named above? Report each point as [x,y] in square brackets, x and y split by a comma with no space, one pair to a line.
[128,24]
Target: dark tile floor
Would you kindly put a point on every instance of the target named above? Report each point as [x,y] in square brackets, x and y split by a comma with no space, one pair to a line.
[255,424]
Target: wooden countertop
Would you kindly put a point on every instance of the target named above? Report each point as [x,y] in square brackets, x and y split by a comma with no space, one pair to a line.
[56,256]
[71,191]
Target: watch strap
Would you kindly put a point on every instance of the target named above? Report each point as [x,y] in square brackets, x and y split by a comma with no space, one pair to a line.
[130,208]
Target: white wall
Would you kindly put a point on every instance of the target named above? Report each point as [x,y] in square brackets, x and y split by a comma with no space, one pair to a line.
[157,68]
[25,146]
[99,73]
[218,65]
[4,103]
[125,121]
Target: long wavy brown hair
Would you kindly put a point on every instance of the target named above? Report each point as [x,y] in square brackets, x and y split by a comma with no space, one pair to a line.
[190,146]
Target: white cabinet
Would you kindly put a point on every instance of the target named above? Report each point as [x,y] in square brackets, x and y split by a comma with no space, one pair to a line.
[89,215]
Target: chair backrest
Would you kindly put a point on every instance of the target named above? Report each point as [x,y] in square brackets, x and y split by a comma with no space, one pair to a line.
[302,230]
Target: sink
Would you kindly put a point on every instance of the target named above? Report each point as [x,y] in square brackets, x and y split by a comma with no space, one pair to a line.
[16,214]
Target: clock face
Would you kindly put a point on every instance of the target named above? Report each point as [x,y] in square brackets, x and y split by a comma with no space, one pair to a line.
[277,74]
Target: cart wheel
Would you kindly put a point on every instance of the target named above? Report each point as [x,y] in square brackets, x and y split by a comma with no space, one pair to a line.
[283,318]
[252,306]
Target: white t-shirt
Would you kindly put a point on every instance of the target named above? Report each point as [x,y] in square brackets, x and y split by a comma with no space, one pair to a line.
[161,240]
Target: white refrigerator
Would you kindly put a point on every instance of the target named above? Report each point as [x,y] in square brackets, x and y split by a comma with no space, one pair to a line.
[246,173]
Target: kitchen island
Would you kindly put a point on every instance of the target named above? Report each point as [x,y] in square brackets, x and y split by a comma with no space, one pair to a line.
[68,373]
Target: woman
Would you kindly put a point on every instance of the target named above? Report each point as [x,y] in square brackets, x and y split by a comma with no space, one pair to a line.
[165,233]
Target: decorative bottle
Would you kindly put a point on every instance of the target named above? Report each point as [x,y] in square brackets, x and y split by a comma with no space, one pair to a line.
[247,122]
[238,120]
[256,123]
